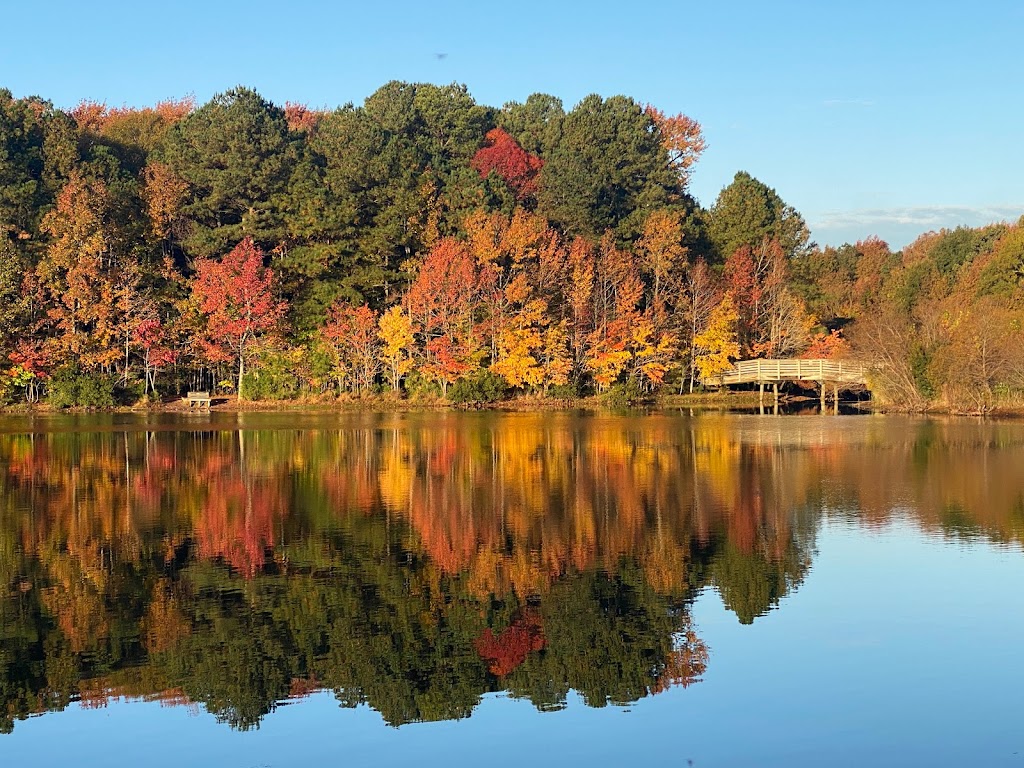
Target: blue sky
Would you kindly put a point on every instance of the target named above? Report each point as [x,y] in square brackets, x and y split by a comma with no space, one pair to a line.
[887,118]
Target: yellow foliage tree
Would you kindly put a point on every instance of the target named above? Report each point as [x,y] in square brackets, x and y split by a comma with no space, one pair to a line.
[396,333]
[661,250]
[653,353]
[556,359]
[517,344]
[717,346]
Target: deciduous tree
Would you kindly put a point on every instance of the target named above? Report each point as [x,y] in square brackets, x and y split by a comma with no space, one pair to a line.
[662,253]
[353,336]
[517,167]
[236,295]
[395,330]
[716,347]
[681,138]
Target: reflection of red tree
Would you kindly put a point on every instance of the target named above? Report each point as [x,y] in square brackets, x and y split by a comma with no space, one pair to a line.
[745,522]
[509,648]
[174,697]
[446,508]
[352,482]
[92,695]
[99,692]
[303,687]
[237,522]
[447,533]
[149,484]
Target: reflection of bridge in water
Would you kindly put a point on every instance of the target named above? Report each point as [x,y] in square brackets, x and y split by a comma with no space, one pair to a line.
[835,374]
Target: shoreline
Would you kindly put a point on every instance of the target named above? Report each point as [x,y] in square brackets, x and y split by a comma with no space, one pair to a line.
[522,404]
[384,403]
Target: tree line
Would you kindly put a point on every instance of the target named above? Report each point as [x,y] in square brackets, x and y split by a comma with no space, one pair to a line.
[424,244]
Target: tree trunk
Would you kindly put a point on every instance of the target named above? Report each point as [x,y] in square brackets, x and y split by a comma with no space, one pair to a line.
[241,374]
[127,341]
[693,335]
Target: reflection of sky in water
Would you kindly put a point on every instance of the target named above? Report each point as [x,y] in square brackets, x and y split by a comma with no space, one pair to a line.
[898,649]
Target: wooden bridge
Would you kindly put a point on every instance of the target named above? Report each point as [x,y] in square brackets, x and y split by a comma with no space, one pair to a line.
[757,371]
[837,374]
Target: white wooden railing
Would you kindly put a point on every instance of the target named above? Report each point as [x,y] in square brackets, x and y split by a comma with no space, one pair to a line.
[794,369]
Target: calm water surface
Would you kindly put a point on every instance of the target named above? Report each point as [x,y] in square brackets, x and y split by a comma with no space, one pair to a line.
[509,589]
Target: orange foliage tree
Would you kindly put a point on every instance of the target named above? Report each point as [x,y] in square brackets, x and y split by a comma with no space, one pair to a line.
[88,280]
[681,137]
[352,336]
[442,302]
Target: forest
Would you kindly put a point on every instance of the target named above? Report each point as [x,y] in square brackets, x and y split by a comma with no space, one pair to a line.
[425,246]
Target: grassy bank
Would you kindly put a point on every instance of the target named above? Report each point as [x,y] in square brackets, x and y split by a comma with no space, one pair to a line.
[723,400]
[390,402]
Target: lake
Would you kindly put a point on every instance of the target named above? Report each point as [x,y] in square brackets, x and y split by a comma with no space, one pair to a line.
[500,589]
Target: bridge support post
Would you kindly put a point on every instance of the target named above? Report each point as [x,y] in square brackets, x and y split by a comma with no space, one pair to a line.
[775,386]
[835,399]
[760,395]
[822,398]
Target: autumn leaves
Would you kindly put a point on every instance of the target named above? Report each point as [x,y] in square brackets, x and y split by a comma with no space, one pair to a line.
[517,299]
[415,243]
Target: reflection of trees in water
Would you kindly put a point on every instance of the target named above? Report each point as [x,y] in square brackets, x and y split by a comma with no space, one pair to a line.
[394,633]
[415,563]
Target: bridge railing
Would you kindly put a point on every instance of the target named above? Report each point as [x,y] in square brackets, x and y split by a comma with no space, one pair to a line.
[792,369]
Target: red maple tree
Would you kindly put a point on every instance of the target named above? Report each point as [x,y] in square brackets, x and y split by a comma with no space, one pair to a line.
[236,294]
[503,155]
[351,333]
[152,337]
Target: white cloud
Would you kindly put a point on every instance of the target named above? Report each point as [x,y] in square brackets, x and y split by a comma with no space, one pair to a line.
[900,226]
[926,216]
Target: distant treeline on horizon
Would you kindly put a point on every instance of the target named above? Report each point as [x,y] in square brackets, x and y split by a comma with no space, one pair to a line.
[433,247]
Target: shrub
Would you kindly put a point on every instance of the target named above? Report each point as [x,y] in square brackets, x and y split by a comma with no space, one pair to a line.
[623,395]
[418,385]
[70,387]
[274,375]
[568,391]
[270,384]
[483,387]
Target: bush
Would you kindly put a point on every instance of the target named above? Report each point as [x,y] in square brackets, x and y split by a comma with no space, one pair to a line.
[70,387]
[483,387]
[270,384]
[274,374]
[623,395]
[565,391]
[418,385]
[132,392]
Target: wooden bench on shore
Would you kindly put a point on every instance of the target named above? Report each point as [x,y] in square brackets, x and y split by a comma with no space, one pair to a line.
[199,400]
